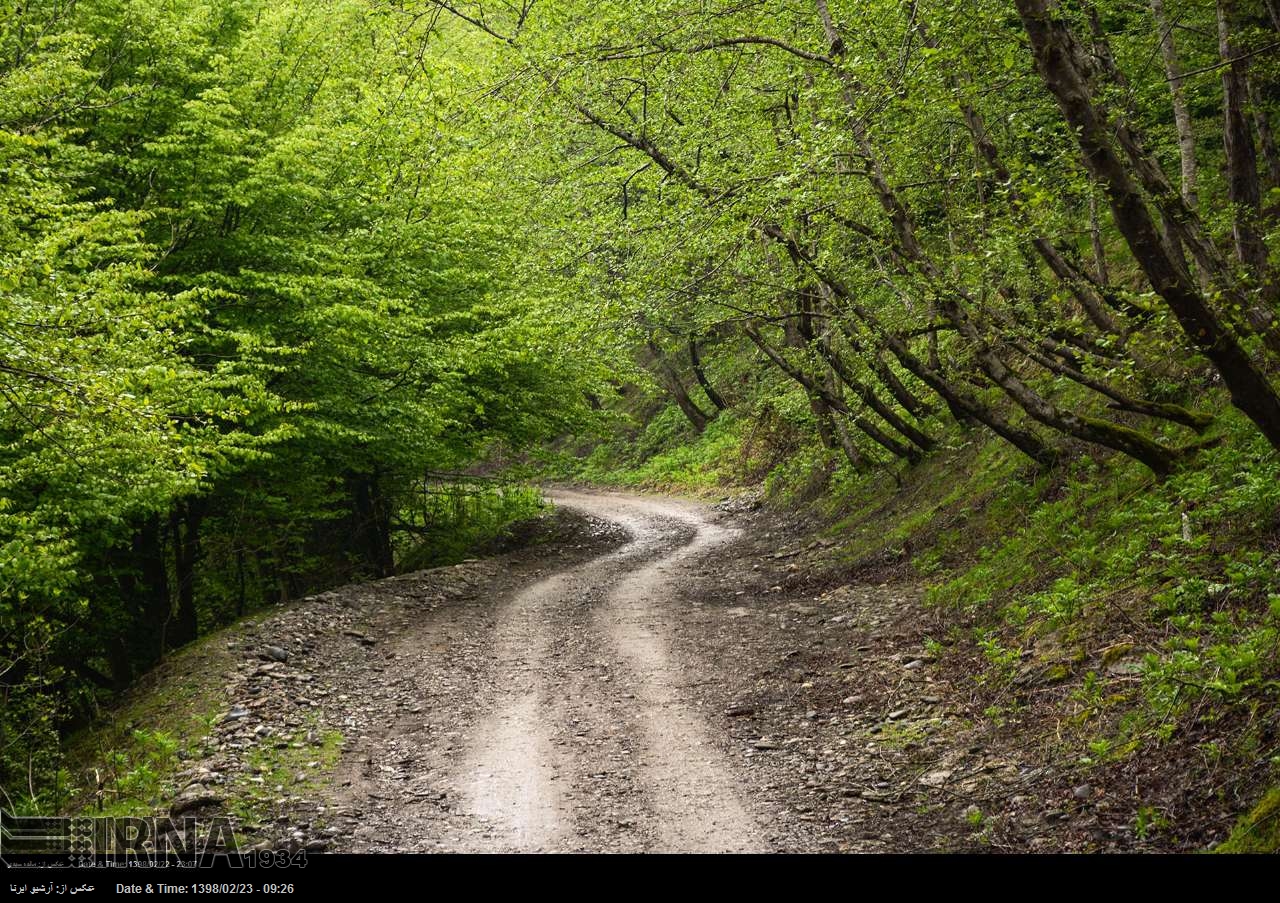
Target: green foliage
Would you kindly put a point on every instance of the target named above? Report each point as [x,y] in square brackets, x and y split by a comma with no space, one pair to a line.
[1259,830]
[1149,821]
[665,456]
[253,289]
[135,780]
[1001,658]
[453,519]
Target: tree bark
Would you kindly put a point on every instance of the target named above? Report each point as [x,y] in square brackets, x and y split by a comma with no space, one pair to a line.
[885,441]
[120,662]
[241,595]
[832,431]
[670,381]
[1273,13]
[695,360]
[1055,54]
[957,399]
[1266,137]
[865,393]
[857,460]
[1120,401]
[1181,112]
[1101,432]
[1180,225]
[145,588]
[1237,143]
[911,402]
[1095,242]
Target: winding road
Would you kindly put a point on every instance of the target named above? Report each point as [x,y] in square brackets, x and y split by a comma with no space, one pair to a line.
[634,674]
[555,716]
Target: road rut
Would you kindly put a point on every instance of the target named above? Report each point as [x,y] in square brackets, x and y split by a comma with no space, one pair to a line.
[571,727]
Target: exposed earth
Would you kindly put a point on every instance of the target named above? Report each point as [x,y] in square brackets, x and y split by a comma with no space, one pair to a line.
[643,674]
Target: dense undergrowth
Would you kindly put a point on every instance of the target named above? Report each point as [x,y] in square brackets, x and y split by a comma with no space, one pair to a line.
[1146,611]
[447,521]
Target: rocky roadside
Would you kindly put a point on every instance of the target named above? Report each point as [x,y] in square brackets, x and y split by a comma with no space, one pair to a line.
[324,676]
[846,705]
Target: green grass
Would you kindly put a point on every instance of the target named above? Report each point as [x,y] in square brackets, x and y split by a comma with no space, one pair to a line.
[1259,831]
[127,763]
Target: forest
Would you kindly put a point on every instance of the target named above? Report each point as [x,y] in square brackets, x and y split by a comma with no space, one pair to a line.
[302,294]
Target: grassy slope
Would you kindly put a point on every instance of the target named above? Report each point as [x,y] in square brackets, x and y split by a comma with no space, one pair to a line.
[126,764]
[1146,614]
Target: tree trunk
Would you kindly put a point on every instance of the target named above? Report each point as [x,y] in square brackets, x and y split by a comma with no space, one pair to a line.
[184,528]
[1180,225]
[857,460]
[1099,432]
[1273,13]
[1181,112]
[874,433]
[833,434]
[670,380]
[1055,57]
[875,359]
[1266,137]
[1088,429]
[957,399]
[1081,289]
[1172,412]
[120,662]
[1237,142]
[240,583]
[695,360]
[871,399]
[145,588]
[826,423]
[372,524]
[1095,241]
[1030,444]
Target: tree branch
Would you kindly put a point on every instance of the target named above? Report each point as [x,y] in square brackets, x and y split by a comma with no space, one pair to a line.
[760,39]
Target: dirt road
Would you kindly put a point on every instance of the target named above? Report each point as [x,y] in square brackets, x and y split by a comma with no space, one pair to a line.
[574,730]
[640,674]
